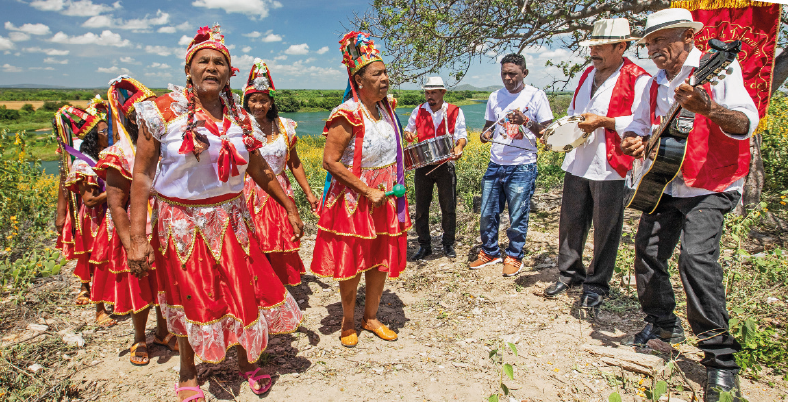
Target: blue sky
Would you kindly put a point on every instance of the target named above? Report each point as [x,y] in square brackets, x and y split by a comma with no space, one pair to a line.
[85,43]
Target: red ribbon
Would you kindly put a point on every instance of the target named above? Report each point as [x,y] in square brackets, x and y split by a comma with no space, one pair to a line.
[188,143]
[229,158]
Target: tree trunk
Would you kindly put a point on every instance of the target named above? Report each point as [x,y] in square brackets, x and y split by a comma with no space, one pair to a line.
[753,184]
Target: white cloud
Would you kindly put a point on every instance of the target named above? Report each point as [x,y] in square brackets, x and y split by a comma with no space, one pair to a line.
[253,34]
[7,68]
[42,68]
[128,60]
[244,62]
[50,60]
[185,26]
[167,30]
[18,36]
[280,57]
[81,8]
[164,50]
[297,49]
[114,70]
[107,38]
[31,29]
[158,74]
[138,25]
[322,50]
[251,8]
[246,49]
[272,38]
[48,52]
[6,44]
[230,47]
[184,40]
[162,66]
[299,69]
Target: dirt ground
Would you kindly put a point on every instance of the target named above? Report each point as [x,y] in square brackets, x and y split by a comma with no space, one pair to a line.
[448,318]
[16,105]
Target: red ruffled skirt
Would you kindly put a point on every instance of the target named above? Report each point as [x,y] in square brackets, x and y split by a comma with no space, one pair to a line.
[65,239]
[354,237]
[114,284]
[216,286]
[90,222]
[274,231]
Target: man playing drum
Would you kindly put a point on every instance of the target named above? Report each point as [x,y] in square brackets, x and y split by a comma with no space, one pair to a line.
[511,174]
[429,121]
[608,93]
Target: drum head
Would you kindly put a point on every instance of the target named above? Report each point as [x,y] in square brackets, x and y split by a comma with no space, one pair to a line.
[564,135]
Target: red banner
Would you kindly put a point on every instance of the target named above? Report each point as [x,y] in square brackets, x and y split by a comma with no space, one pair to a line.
[755,24]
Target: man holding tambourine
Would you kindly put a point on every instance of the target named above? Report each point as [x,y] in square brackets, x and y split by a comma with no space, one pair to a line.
[608,93]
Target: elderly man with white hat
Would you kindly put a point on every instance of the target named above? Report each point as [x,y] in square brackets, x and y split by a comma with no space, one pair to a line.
[608,93]
[694,204]
[435,118]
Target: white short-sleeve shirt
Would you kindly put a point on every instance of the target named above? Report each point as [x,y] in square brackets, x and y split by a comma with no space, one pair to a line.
[534,105]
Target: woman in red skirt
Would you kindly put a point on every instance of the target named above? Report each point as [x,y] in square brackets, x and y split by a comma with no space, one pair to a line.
[361,228]
[90,234]
[279,151]
[113,282]
[216,289]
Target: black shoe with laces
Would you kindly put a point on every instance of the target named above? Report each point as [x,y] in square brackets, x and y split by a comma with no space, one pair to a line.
[651,331]
[591,300]
[448,251]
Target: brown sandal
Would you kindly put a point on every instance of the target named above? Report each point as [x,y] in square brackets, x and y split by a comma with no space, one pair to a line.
[83,298]
[166,342]
[133,353]
[105,320]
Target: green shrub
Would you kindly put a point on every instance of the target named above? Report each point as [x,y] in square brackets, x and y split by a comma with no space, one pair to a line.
[8,114]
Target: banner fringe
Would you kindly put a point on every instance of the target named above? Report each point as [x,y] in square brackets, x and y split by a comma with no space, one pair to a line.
[693,5]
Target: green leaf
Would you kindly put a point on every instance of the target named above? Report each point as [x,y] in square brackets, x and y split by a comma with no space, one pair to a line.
[660,388]
[508,370]
[505,389]
[726,396]
[493,352]
[614,397]
[493,398]
[512,347]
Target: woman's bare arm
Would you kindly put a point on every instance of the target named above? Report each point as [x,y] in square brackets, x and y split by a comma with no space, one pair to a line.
[339,136]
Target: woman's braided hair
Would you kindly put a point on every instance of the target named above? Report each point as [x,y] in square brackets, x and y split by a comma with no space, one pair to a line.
[190,123]
[231,106]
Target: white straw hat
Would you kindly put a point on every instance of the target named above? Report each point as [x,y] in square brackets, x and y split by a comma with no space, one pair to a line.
[670,18]
[609,30]
[434,83]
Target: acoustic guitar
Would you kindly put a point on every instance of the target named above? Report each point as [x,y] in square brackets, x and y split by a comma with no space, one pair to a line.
[666,149]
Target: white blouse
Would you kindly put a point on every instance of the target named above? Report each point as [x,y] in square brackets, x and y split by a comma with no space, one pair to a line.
[380,142]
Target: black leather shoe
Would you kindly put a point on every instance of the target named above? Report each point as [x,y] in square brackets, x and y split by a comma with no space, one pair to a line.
[652,331]
[556,289]
[421,253]
[448,251]
[591,300]
[720,380]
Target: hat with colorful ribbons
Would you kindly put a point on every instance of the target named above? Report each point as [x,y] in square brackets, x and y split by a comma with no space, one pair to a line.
[75,121]
[259,81]
[209,38]
[122,94]
[97,107]
[358,51]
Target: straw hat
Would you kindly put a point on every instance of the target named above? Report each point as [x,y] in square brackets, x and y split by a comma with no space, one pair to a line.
[434,83]
[670,18]
[612,30]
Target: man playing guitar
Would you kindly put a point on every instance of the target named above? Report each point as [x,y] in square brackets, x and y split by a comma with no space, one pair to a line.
[694,204]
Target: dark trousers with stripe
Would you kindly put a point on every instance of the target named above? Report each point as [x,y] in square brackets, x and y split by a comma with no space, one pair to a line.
[445,179]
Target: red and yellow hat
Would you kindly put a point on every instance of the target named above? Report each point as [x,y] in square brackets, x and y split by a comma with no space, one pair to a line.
[124,92]
[209,38]
[76,120]
[358,51]
[259,81]
[97,107]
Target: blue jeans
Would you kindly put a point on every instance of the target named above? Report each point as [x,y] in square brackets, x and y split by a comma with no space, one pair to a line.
[501,184]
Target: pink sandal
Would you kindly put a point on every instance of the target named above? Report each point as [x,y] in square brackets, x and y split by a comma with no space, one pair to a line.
[199,395]
[250,376]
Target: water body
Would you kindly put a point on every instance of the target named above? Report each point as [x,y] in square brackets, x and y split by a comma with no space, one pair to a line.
[312,123]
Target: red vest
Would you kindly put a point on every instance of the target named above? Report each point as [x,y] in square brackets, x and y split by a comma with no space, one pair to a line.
[620,105]
[425,127]
[713,161]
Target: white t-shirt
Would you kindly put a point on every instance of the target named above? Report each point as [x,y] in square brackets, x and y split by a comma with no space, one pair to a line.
[534,105]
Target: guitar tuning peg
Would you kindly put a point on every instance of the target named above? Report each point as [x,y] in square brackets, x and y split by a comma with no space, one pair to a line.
[714,82]
[729,70]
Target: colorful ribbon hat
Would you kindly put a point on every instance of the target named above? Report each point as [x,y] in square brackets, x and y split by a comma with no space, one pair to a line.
[76,120]
[259,80]
[124,92]
[358,51]
[209,38]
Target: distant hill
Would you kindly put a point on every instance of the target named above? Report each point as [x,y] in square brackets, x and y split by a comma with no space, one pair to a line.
[33,86]
[468,87]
